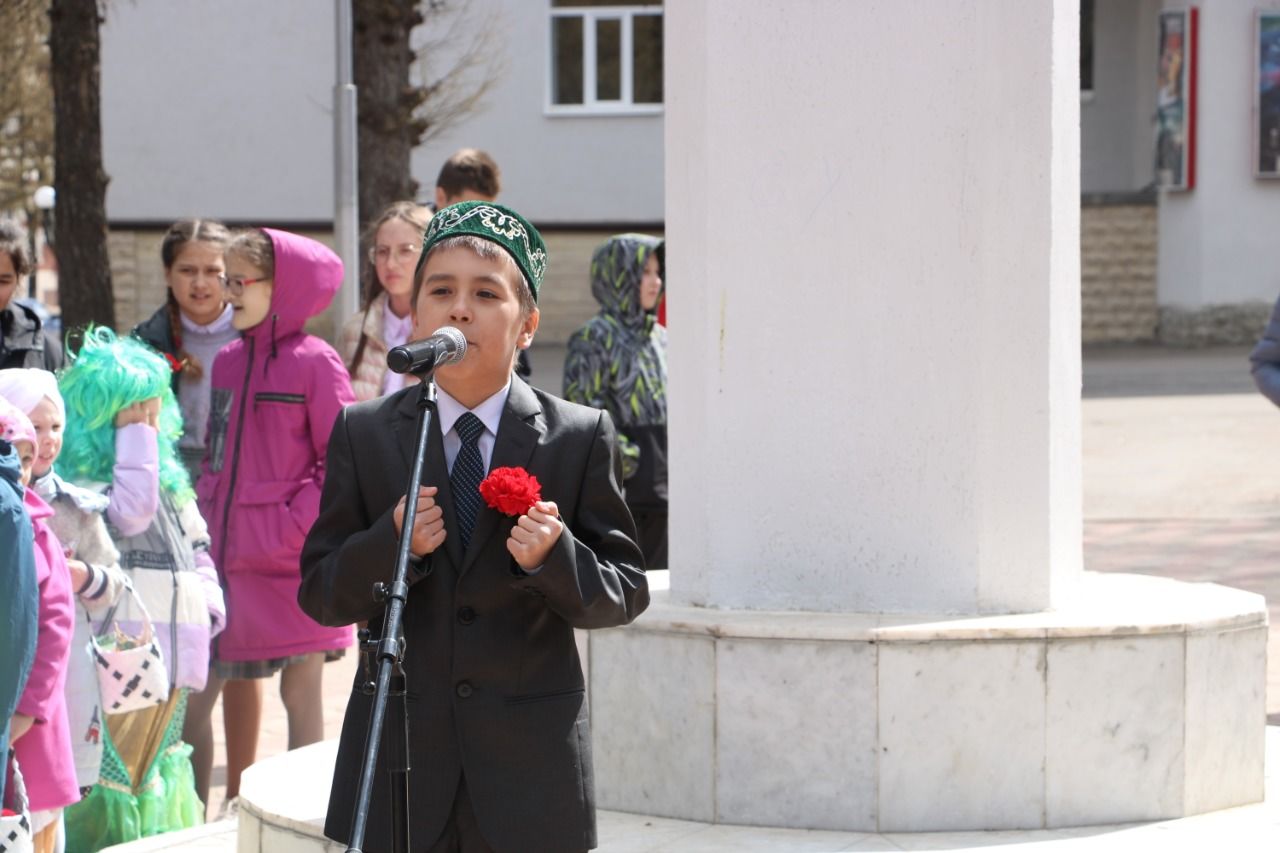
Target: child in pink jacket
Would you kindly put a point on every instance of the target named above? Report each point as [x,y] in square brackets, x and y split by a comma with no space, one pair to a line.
[276,394]
[40,734]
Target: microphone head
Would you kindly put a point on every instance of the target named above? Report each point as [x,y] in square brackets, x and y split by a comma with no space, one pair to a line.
[456,342]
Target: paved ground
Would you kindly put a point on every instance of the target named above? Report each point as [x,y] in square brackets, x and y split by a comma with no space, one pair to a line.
[1178,475]
[1177,482]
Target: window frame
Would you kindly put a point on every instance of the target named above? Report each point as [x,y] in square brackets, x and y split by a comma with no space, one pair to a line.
[625,14]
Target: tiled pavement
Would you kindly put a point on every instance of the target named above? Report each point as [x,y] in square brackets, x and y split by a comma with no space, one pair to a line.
[1180,479]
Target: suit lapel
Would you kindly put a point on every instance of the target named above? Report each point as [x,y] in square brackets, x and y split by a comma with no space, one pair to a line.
[435,471]
[517,437]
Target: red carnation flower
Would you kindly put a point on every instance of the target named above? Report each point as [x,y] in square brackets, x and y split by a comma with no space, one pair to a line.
[511,491]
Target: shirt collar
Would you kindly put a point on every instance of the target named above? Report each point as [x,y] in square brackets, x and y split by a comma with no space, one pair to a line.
[448,410]
[221,324]
[395,329]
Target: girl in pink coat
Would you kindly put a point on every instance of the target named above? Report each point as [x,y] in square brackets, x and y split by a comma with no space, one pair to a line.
[40,734]
[276,394]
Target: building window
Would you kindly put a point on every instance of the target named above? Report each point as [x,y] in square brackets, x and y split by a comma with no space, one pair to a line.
[606,57]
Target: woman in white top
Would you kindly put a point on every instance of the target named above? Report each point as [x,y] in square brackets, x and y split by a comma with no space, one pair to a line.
[385,318]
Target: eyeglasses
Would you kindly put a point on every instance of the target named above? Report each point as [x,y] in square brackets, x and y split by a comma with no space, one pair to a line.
[236,286]
[402,253]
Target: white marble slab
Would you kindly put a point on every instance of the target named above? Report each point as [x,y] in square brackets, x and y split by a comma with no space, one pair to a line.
[1104,605]
[653,723]
[618,832]
[1226,718]
[742,839]
[249,831]
[1248,829]
[962,729]
[796,734]
[276,839]
[1114,740]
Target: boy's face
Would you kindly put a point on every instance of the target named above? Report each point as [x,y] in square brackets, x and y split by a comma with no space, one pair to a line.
[252,302]
[8,280]
[650,284]
[479,298]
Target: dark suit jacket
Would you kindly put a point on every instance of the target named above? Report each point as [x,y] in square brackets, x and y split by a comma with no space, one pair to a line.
[495,688]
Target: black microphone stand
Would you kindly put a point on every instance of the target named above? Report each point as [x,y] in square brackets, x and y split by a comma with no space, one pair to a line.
[388,652]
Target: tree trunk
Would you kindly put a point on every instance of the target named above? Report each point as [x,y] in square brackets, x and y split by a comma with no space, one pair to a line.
[84,271]
[386,102]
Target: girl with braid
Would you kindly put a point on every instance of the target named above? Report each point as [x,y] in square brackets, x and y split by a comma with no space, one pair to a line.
[193,324]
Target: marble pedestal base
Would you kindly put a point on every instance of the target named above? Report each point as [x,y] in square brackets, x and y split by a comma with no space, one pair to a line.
[1145,701]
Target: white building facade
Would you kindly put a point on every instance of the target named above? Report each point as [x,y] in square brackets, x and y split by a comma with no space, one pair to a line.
[225,110]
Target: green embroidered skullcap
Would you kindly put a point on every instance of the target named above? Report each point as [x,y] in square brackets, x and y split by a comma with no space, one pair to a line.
[496,223]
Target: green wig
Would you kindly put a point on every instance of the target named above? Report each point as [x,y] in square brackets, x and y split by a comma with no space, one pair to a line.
[107,375]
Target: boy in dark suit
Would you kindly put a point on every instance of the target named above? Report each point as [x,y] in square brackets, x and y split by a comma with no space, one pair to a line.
[500,744]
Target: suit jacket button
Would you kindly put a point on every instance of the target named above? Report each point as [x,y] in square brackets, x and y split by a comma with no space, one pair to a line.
[464,689]
[466,615]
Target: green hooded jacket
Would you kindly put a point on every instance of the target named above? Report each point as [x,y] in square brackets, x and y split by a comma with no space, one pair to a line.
[618,362]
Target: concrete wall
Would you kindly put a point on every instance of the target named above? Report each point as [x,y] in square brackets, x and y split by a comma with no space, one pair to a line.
[224,110]
[218,109]
[1116,130]
[1118,272]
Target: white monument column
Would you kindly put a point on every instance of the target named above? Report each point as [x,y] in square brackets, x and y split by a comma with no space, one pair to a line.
[873,212]
[877,617]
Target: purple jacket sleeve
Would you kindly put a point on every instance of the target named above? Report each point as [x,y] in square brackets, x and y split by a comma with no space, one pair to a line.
[198,534]
[135,487]
[330,391]
[212,592]
[52,645]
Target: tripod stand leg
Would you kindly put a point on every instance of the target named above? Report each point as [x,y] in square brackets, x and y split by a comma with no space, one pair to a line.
[398,762]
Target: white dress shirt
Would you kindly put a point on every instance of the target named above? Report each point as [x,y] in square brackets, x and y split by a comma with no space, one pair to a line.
[448,410]
[395,332]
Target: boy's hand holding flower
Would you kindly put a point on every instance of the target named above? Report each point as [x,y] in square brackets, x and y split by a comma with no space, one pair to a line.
[514,491]
[534,535]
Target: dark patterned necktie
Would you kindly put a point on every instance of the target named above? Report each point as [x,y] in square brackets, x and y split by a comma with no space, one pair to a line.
[468,471]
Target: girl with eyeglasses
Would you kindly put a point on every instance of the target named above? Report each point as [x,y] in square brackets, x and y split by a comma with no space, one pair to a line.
[276,394]
[383,322]
[193,324]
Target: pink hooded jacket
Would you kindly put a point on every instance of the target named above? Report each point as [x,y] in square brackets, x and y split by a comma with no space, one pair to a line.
[276,393]
[44,752]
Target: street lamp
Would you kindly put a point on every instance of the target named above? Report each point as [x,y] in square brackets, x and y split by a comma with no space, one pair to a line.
[43,198]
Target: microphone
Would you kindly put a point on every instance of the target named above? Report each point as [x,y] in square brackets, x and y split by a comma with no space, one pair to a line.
[445,346]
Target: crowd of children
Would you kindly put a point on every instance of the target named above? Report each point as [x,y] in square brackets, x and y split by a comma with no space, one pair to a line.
[156,492]
[154,495]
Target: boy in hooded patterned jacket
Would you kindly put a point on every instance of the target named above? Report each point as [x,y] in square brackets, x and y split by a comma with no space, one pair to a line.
[618,362]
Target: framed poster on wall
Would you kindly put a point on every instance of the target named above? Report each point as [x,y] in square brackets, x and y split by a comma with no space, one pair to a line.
[1176,100]
[1266,93]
